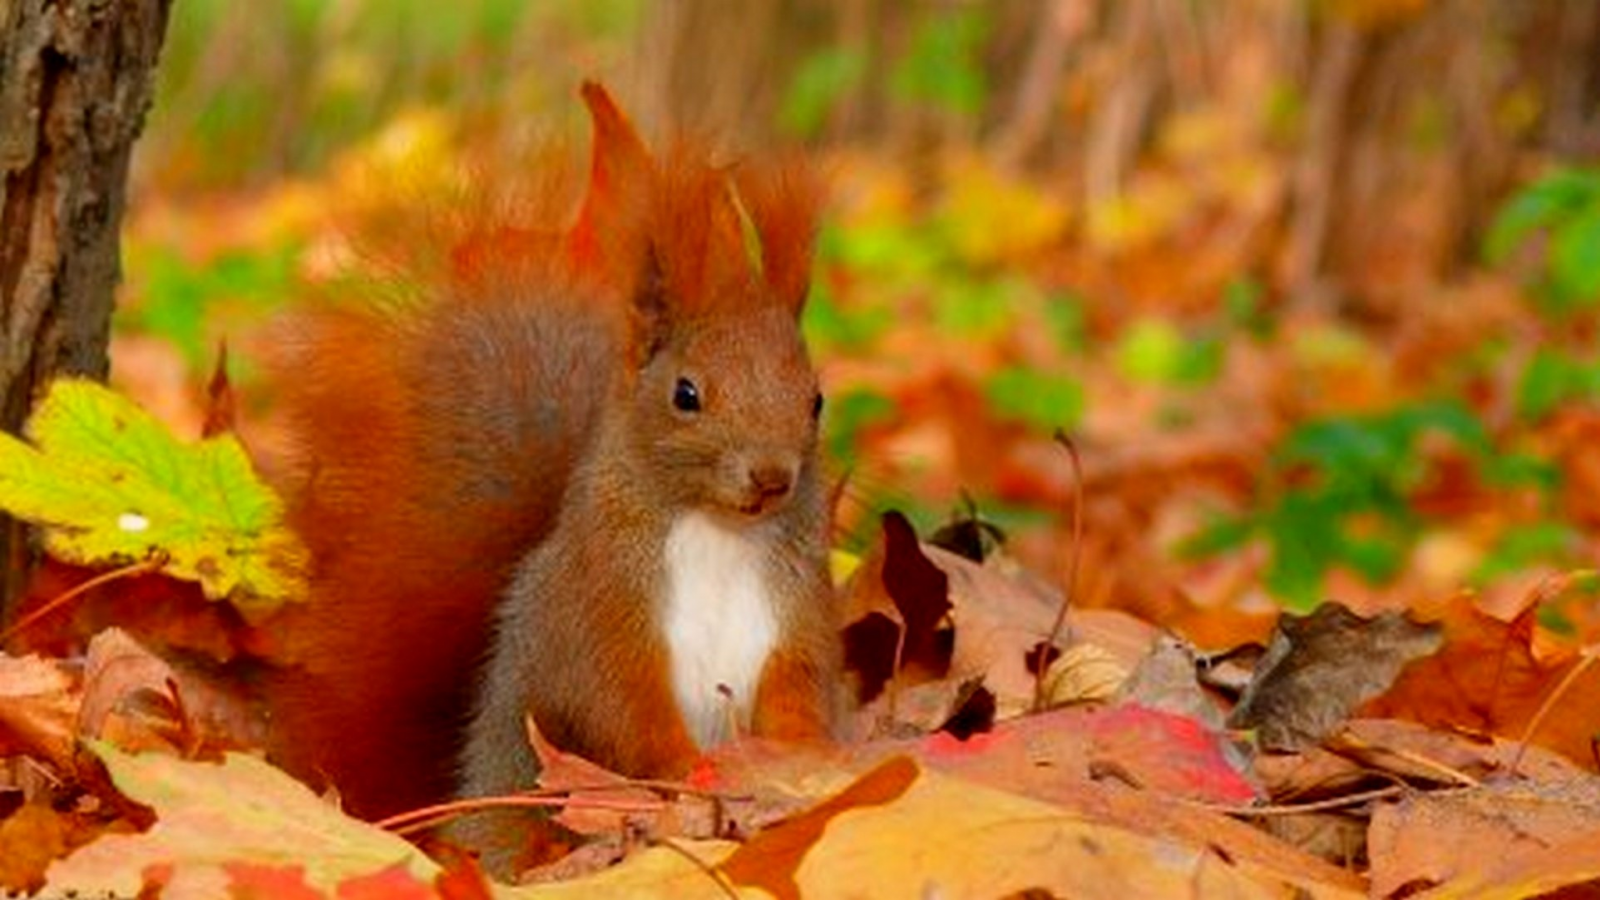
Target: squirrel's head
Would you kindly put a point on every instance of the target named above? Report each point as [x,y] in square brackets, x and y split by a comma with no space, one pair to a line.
[723,402]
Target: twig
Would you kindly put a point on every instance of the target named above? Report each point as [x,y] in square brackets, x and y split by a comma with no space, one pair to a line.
[1295,809]
[31,619]
[1349,740]
[405,822]
[1074,556]
[428,816]
[711,872]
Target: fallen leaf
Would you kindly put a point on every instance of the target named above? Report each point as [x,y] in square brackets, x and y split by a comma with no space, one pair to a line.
[397,882]
[1169,753]
[210,816]
[108,483]
[601,801]
[255,881]
[1084,673]
[1568,868]
[30,838]
[1319,668]
[911,832]
[1167,680]
[1426,840]
[138,701]
[38,709]
[1488,679]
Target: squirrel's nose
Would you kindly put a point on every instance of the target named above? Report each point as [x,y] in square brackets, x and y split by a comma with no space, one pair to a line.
[771,480]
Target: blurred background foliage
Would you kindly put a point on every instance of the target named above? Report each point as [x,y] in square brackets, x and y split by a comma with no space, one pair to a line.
[1313,283]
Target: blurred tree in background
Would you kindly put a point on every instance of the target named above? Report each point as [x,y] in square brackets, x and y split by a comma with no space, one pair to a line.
[1314,281]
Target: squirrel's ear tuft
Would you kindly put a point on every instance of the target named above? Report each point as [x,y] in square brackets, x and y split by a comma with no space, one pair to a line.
[783,202]
[611,222]
[649,318]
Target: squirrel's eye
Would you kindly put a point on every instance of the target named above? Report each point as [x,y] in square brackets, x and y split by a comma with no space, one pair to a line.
[816,406]
[685,396]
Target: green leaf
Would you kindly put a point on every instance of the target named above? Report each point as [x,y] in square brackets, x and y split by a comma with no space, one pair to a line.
[1549,380]
[1575,260]
[1037,399]
[823,78]
[1527,546]
[849,415]
[1540,205]
[108,483]
[1150,351]
[943,65]
[1153,350]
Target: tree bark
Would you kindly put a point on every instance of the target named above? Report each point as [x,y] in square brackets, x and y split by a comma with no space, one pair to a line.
[75,82]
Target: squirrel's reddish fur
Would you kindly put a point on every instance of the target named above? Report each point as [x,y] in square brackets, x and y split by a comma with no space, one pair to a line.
[438,445]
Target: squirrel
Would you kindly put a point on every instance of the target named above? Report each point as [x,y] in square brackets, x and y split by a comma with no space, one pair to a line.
[581,484]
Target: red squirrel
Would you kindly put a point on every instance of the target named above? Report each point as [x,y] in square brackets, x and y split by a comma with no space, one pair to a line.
[581,484]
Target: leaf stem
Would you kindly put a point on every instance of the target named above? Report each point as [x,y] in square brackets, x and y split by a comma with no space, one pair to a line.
[1075,555]
[28,621]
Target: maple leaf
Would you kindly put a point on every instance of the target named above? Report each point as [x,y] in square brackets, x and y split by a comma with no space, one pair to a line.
[108,483]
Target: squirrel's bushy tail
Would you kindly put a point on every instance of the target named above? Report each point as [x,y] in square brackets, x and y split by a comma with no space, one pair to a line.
[431,444]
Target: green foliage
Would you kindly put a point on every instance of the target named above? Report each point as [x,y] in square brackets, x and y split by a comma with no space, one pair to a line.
[1243,301]
[982,309]
[1564,208]
[1063,315]
[1553,378]
[829,324]
[1038,399]
[108,483]
[847,416]
[821,80]
[1154,351]
[247,89]
[178,297]
[1338,495]
[1520,549]
[943,65]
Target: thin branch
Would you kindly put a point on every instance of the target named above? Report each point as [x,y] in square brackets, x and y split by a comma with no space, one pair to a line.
[1074,557]
[1295,809]
[1567,681]
[711,872]
[428,816]
[28,621]
[406,822]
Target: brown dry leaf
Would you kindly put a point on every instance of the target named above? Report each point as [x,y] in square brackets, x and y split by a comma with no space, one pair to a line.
[140,701]
[1318,668]
[1433,839]
[1166,679]
[683,870]
[157,609]
[910,832]
[29,839]
[212,816]
[38,709]
[1569,868]
[1085,673]
[1047,757]
[1001,618]
[1404,750]
[1419,754]
[1489,679]
[222,405]
[605,803]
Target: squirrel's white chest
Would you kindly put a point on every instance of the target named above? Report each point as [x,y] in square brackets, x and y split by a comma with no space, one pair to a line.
[719,621]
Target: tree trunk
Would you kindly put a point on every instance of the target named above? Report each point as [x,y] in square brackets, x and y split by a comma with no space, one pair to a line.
[75,82]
